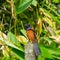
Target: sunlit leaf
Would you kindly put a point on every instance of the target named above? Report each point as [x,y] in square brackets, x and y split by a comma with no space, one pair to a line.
[54,51]
[56,1]
[48,21]
[56,39]
[40,57]
[23,32]
[45,52]
[57,56]
[18,51]
[51,52]
[34,2]
[23,6]
[52,16]
[13,38]
[8,42]
[22,39]
[40,25]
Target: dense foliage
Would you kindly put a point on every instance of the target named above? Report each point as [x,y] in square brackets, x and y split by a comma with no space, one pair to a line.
[42,15]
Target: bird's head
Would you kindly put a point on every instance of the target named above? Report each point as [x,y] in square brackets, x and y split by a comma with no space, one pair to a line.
[28,27]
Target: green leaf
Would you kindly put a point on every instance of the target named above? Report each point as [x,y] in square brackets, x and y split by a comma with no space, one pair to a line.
[15,42]
[40,57]
[48,52]
[5,58]
[23,6]
[34,2]
[23,32]
[20,1]
[45,52]
[56,1]
[54,51]
[18,53]
[13,46]
[52,16]
[57,56]
[17,50]
[10,44]
[13,38]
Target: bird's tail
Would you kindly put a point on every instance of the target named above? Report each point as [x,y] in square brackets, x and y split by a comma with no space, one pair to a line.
[36,49]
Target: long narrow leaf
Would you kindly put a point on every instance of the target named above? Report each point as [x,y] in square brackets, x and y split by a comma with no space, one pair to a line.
[18,53]
[52,16]
[23,6]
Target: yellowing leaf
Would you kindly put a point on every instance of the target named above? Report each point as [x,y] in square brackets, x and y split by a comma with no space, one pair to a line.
[40,25]
[4,36]
[57,32]
[22,39]
[54,25]
[48,21]
[44,13]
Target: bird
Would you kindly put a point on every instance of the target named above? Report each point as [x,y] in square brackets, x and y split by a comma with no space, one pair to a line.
[32,36]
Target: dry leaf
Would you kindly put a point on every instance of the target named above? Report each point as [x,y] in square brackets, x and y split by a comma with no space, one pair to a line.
[56,39]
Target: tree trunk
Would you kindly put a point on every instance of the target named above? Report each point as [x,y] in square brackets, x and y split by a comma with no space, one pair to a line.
[29,53]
